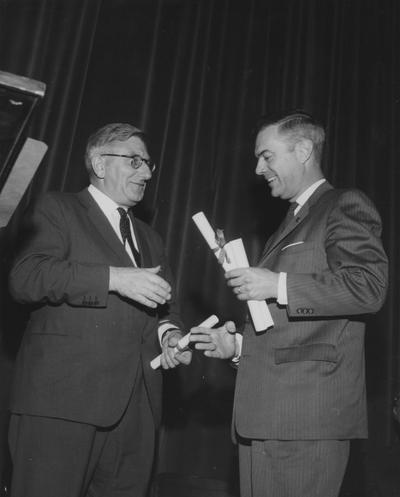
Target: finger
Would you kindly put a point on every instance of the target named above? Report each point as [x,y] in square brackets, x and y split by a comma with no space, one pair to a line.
[156,292]
[211,353]
[184,357]
[199,337]
[145,301]
[156,281]
[234,273]
[149,299]
[169,356]
[234,282]
[200,330]
[242,296]
[230,327]
[165,363]
[173,340]
[205,346]
[163,291]
[155,269]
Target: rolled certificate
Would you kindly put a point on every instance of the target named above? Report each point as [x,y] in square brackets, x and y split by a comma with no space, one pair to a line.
[209,235]
[234,257]
[184,341]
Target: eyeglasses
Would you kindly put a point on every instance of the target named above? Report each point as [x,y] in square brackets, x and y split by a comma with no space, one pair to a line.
[136,161]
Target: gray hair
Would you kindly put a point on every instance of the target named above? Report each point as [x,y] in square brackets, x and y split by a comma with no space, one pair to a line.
[108,134]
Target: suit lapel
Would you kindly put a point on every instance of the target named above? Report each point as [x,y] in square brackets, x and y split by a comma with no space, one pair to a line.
[283,231]
[141,240]
[287,227]
[103,228]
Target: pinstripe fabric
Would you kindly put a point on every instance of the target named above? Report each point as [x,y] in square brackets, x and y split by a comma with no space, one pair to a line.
[301,385]
[312,468]
[304,378]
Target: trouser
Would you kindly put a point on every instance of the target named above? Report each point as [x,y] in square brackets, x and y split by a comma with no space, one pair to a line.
[303,468]
[59,458]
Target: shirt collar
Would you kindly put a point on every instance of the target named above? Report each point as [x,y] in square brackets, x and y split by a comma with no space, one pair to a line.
[106,204]
[302,199]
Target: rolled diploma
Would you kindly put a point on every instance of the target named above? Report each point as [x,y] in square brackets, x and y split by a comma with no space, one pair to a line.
[184,341]
[259,311]
[209,235]
[236,253]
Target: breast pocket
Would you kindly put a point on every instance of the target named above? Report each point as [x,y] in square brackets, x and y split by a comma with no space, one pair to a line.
[305,257]
[296,247]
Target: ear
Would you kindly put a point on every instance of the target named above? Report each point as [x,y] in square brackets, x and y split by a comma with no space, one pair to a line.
[98,166]
[304,148]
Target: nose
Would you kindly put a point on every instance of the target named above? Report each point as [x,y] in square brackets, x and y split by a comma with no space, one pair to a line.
[145,171]
[261,166]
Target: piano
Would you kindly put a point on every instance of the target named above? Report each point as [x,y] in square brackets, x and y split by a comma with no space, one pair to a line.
[20,155]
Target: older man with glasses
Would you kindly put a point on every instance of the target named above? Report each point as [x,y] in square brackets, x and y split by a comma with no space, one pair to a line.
[85,403]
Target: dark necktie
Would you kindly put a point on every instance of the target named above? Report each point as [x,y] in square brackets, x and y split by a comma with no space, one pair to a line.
[125,228]
[290,214]
[293,206]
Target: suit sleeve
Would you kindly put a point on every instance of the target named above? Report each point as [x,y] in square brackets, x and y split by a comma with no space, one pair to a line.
[43,272]
[354,280]
[169,314]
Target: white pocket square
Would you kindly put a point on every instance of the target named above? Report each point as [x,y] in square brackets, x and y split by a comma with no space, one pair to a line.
[291,245]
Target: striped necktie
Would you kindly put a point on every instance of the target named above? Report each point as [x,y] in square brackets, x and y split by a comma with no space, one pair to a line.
[125,229]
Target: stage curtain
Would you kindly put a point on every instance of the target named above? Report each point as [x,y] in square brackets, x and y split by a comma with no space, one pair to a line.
[196,75]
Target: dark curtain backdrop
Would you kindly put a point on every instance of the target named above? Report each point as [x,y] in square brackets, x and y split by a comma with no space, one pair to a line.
[196,74]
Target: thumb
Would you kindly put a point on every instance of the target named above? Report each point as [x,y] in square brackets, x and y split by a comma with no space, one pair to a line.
[230,327]
[154,270]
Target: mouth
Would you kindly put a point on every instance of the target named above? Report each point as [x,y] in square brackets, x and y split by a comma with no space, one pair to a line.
[271,179]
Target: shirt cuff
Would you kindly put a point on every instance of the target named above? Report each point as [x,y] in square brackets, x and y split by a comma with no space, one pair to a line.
[163,328]
[282,289]
[238,348]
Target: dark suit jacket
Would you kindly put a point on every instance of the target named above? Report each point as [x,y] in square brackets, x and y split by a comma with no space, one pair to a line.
[304,378]
[83,346]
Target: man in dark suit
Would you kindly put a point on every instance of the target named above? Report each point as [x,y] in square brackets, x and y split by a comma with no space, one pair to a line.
[85,402]
[300,389]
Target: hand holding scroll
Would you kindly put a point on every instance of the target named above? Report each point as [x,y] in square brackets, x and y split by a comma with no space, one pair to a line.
[172,353]
[219,343]
[177,346]
[253,283]
[232,255]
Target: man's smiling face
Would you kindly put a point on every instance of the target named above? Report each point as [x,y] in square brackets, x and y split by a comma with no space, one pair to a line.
[121,182]
[278,162]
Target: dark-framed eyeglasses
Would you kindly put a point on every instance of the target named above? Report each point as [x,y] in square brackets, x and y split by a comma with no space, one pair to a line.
[135,161]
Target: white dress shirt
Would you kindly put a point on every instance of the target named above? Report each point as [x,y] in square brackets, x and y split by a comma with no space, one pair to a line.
[109,209]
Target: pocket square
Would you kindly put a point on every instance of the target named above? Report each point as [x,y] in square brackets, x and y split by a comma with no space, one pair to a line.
[291,245]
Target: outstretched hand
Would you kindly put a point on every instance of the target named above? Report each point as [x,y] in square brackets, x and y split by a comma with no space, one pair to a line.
[215,342]
[143,285]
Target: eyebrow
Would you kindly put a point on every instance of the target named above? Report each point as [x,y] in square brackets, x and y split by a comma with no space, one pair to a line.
[264,151]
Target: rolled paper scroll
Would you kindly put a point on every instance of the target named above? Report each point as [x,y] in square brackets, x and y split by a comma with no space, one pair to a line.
[233,255]
[184,341]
